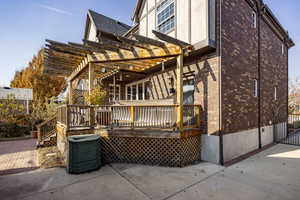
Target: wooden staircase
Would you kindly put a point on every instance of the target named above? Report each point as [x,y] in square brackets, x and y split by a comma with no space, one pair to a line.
[47,135]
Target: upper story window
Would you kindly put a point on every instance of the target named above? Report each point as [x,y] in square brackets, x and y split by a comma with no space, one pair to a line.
[255,91]
[165,16]
[282,49]
[275,93]
[254,19]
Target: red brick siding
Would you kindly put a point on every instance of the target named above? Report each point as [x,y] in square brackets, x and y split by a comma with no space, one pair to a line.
[239,67]
[206,70]
[273,73]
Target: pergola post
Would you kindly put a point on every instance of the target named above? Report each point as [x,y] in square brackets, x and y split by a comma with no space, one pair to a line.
[71,91]
[114,85]
[91,77]
[179,91]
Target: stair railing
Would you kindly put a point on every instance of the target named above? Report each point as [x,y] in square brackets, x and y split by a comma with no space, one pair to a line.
[46,129]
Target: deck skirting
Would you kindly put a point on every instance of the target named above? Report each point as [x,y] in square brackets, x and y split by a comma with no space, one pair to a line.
[170,150]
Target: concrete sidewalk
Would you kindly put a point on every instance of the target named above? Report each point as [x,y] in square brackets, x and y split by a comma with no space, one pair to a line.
[18,156]
[272,174]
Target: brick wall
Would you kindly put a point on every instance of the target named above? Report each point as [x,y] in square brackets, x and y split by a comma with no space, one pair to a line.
[206,71]
[273,74]
[239,67]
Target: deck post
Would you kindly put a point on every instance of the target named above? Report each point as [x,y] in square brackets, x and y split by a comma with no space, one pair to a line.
[132,110]
[71,92]
[199,110]
[179,91]
[91,77]
[114,83]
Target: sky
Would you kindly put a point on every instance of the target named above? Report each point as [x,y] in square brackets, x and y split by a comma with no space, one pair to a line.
[25,24]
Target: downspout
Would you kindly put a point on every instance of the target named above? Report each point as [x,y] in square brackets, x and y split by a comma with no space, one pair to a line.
[287,89]
[259,73]
[221,152]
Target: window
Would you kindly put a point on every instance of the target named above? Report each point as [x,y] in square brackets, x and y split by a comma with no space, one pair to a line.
[282,49]
[188,92]
[255,89]
[165,16]
[275,93]
[134,94]
[147,90]
[128,93]
[111,93]
[138,91]
[254,21]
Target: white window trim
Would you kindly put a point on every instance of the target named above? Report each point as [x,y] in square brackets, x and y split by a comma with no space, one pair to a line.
[255,88]
[254,19]
[282,49]
[117,86]
[136,85]
[161,9]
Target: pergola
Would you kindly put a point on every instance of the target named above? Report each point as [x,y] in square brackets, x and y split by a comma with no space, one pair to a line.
[113,53]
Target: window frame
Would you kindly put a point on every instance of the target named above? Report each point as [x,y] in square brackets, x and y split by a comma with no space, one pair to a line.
[254,19]
[255,92]
[136,85]
[282,49]
[117,93]
[275,93]
[159,9]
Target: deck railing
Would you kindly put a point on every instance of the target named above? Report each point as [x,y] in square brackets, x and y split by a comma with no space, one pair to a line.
[137,116]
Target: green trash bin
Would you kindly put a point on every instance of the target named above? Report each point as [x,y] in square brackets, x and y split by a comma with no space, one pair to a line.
[84,153]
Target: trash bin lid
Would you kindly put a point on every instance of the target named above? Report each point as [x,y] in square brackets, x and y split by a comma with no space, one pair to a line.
[83,138]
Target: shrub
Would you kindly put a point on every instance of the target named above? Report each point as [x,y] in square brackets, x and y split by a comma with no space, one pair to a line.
[97,97]
[10,109]
[10,130]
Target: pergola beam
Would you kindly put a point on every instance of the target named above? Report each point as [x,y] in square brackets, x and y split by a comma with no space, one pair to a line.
[171,40]
[91,77]
[149,41]
[101,47]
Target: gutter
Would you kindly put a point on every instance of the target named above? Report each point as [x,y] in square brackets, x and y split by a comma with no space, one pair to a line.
[221,152]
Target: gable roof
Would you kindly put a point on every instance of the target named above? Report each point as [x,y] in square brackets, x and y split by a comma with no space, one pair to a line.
[106,24]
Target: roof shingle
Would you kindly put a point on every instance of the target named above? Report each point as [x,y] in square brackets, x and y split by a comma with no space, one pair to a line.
[106,24]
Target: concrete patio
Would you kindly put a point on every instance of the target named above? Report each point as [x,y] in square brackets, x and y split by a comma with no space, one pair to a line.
[271,174]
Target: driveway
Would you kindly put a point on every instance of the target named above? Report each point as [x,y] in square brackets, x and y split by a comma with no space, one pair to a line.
[17,156]
[272,174]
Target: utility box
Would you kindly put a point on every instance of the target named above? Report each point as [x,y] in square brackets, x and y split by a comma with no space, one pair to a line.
[84,153]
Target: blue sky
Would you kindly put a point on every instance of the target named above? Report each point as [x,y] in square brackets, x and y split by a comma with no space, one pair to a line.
[25,24]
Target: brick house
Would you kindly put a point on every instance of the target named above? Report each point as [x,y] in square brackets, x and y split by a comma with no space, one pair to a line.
[237,69]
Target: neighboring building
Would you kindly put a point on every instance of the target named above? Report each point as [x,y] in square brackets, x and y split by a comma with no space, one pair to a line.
[237,71]
[23,95]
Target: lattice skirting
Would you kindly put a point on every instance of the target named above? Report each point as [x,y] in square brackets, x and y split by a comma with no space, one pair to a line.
[172,152]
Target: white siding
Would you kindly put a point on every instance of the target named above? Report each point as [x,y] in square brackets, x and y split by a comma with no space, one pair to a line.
[183,20]
[151,4]
[143,27]
[92,33]
[199,20]
[191,20]
[151,23]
